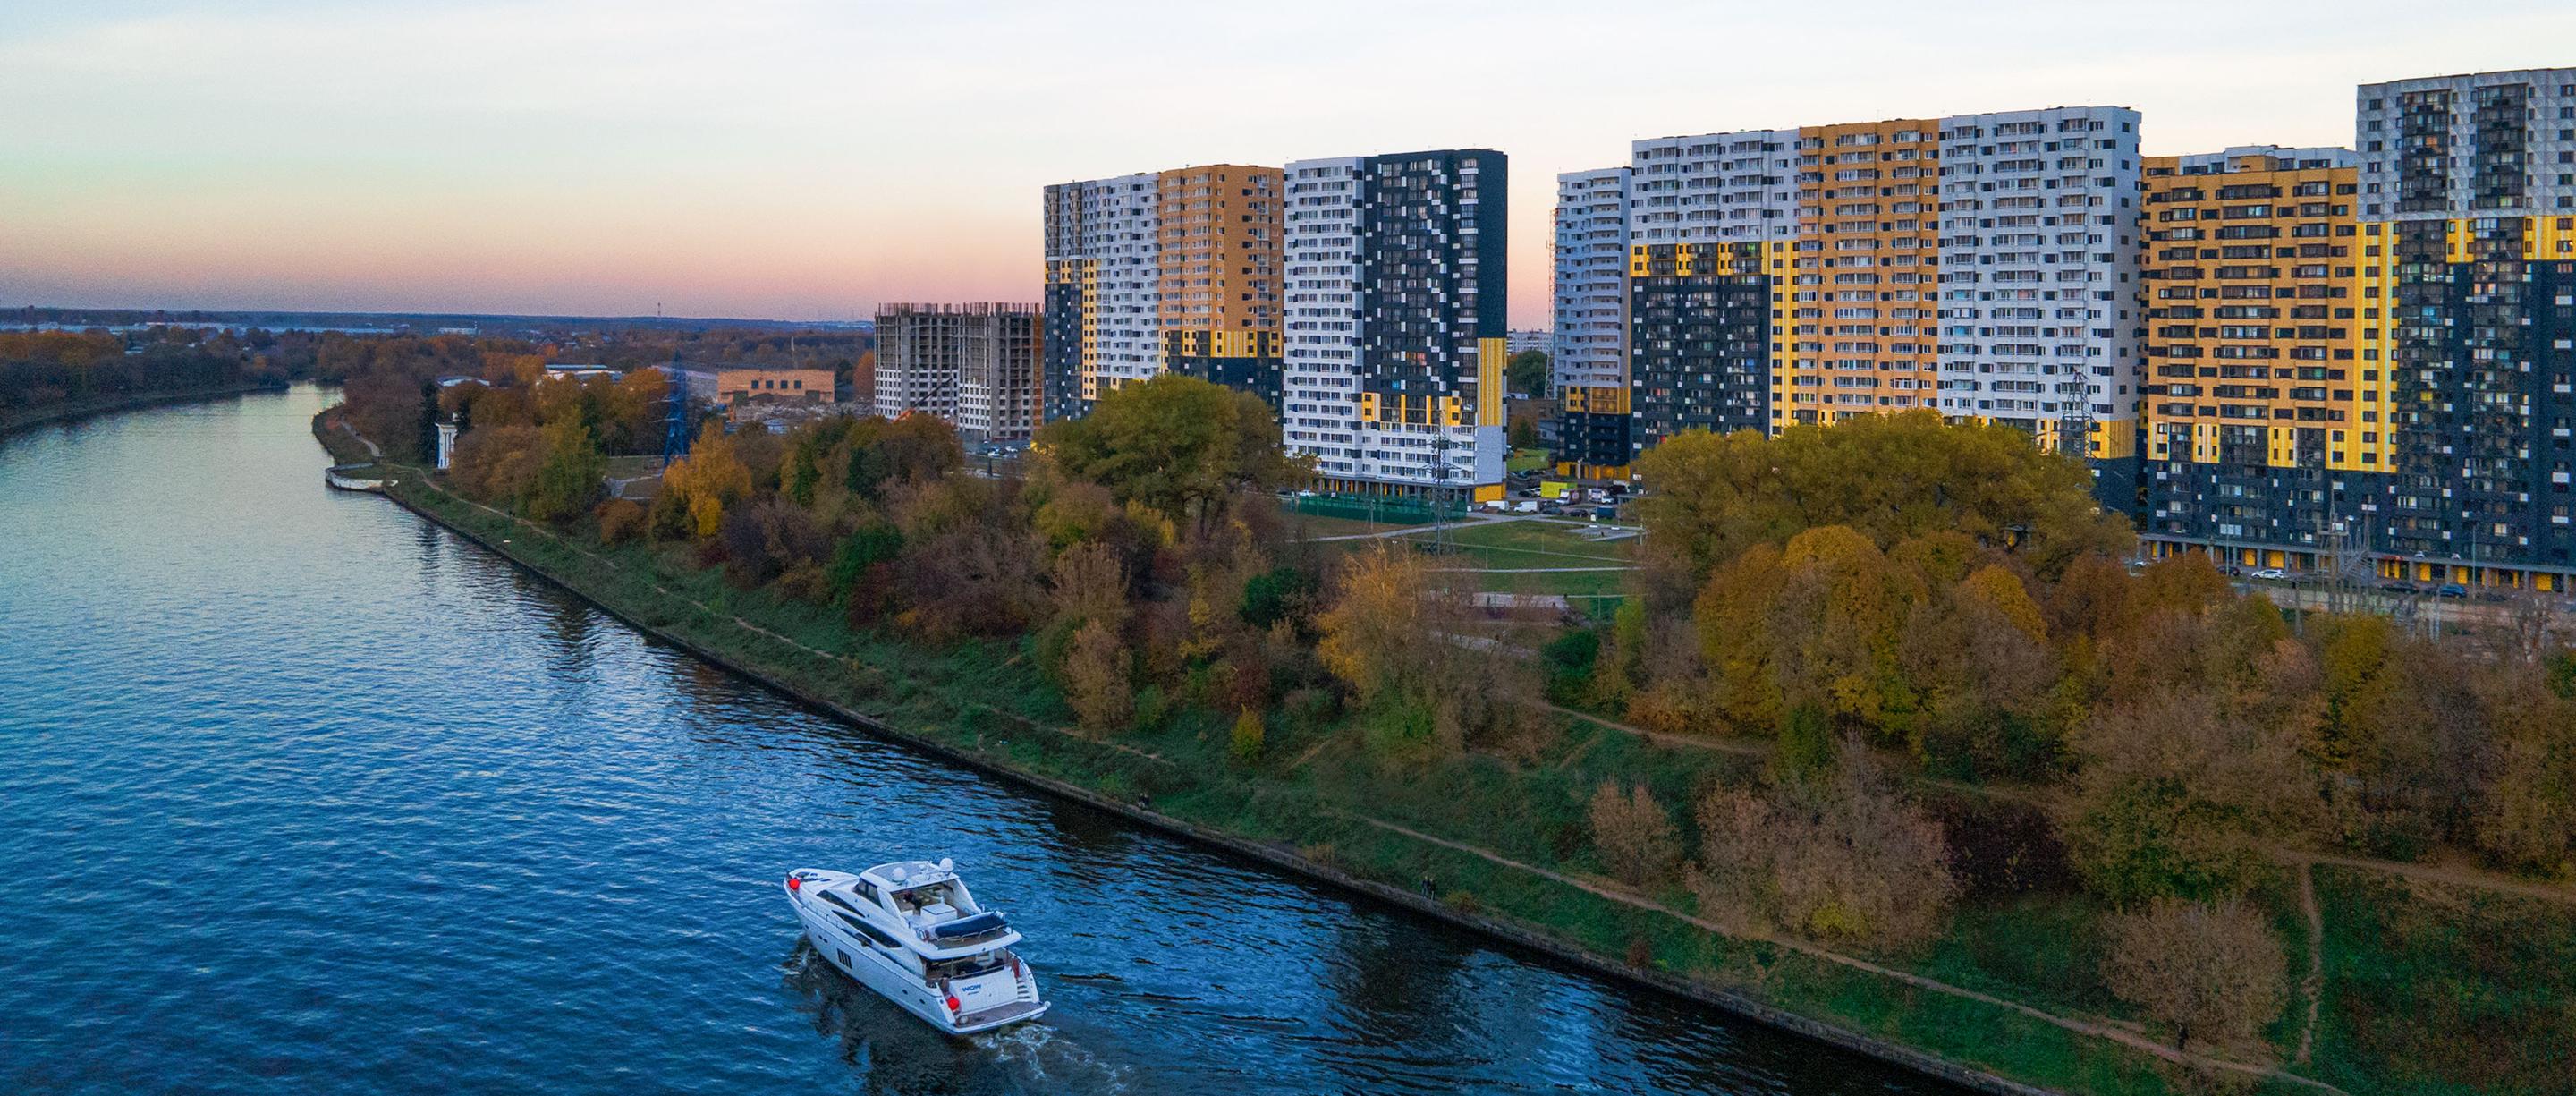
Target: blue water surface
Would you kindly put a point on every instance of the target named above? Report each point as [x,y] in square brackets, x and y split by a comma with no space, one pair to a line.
[301,794]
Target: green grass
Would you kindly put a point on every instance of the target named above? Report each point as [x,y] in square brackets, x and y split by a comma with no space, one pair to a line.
[1576,585]
[2434,990]
[1525,460]
[1317,525]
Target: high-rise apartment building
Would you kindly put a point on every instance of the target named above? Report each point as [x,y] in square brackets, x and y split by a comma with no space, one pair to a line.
[1220,304]
[2265,435]
[975,365]
[1588,359]
[1712,231]
[2468,192]
[1982,265]
[2040,304]
[1104,280]
[1172,270]
[1394,357]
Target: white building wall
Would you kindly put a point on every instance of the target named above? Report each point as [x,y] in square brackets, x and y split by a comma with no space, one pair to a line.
[1319,405]
[1122,230]
[2041,312]
[1737,187]
[1591,279]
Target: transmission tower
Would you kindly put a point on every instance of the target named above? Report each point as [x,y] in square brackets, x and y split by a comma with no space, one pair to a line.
[675,417]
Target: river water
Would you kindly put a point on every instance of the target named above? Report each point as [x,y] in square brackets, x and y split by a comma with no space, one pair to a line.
[299,793]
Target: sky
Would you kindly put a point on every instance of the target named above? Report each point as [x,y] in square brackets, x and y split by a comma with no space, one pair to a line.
[809,160]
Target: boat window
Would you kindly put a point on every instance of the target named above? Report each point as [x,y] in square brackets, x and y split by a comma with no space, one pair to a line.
[837,900]
[874,934]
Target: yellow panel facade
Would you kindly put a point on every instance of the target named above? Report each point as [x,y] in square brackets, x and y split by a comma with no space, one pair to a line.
[2256,289]
[1862,299]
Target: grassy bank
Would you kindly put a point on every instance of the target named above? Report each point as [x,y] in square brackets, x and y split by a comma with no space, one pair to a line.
[1499,842]
[30,418]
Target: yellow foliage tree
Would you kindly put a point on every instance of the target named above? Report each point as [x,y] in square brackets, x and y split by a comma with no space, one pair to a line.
[711,477]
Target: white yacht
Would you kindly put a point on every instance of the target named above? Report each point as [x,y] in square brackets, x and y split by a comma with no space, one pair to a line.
[910,931]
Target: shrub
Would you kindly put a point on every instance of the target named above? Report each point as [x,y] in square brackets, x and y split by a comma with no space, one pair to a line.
[1845,856]
[1247,737]
[1636,838]
[621,521]
[1096,672]
[2212,970]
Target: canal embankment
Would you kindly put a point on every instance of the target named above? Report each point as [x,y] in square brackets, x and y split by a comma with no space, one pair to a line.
[947,706]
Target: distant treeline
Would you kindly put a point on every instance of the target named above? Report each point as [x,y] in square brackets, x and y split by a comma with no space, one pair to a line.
[44,369]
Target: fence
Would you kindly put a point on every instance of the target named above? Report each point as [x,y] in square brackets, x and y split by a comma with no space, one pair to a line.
[1378,508]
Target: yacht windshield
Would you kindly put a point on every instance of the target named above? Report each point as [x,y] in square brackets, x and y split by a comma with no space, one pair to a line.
[922,898]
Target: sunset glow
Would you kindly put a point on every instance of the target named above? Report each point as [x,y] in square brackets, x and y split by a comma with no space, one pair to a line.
[809,160]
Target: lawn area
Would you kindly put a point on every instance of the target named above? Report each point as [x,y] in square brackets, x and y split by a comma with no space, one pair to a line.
[1312,526]
[1524,460]
[1572,584]
[1521,557]
[1536,542]
[2434,990]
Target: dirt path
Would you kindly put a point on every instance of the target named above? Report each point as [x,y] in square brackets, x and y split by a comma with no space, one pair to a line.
[2121,1035]
[2312,987]
[2477,878]
[373,449]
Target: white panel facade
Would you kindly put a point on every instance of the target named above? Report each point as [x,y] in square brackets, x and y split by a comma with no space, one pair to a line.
[2040,295]
[1122,231]
[1591,279]
[1714,188]
[1320,404]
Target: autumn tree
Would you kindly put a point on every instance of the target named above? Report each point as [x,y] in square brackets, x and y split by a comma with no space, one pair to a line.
[2176,796]
[1843,856]
[2525,817]
[884,453]
[1180,445]
[697,488]
[1097,676]
[498,464]
[1637,840]
[569,477]
[1984,677]
[969,564]
[1889,477]
[2212,971]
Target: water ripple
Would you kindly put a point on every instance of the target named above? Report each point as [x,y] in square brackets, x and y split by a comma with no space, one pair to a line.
[301,794]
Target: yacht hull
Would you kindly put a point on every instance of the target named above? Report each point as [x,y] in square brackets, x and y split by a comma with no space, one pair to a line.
[982,1004]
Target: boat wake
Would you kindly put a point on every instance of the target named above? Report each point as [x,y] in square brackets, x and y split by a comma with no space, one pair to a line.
[1053,1061]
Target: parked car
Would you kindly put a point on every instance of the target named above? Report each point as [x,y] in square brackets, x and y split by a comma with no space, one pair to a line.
[2271,574]
[2400,586]
[1525,506]
[2452,589]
